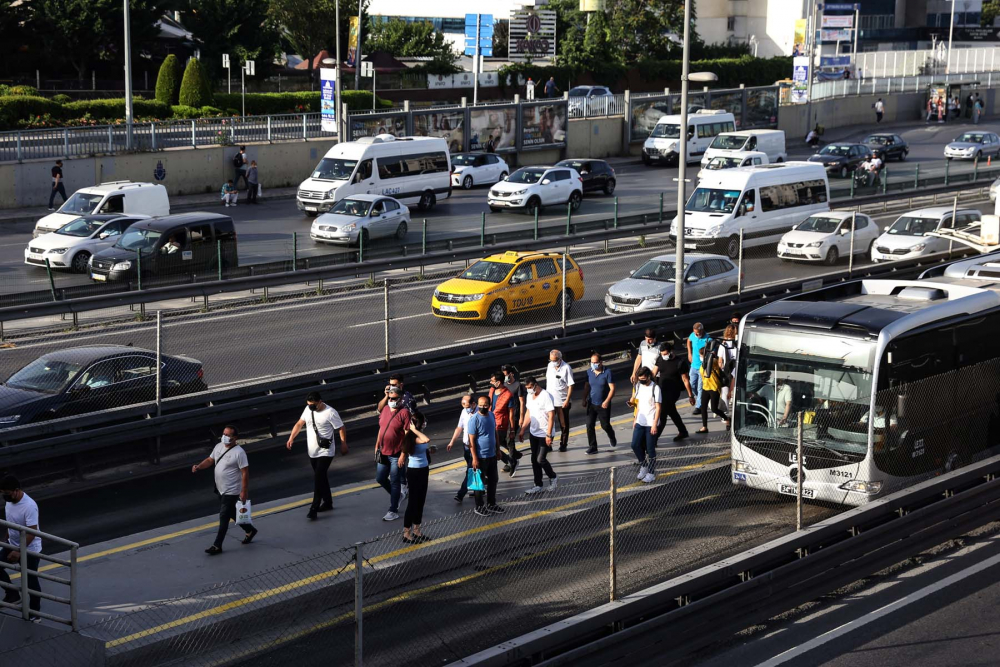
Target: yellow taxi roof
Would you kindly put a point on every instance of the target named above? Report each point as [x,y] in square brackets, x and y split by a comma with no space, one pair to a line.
[515,256]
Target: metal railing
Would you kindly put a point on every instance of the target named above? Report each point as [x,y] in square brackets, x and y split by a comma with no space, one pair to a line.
[898,84]
[26,575]
[597,107]
[882,64]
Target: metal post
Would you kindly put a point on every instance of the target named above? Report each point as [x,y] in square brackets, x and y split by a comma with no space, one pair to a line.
[850,257]
[857,26]
[66,142]
[951,31]
[885,178]
[25,597]
[975,169]
[359,602]
[361,247]
[357,59]
[798,477]
[129,115]
[218,257]
[569,215]
[852,186]
[682,157]
[336,82]
[475,62]
[138,268]
[152,134]
[947,165]
[269,129]
[52,282]
[194,136]
[482,231]
[295,250]
[739,266]
[916,177]
[159,363]
[305,131]
[385,307]
[536,223]
[423,239]
[954,214]
[661,209]
[612,571]
[563,305]
[20,147]
[72,589]
[616,211]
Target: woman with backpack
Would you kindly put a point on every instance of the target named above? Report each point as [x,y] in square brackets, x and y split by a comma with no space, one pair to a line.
[712,383]
[727,357]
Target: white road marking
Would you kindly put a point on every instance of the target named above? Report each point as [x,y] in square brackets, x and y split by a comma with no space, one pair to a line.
[391,319]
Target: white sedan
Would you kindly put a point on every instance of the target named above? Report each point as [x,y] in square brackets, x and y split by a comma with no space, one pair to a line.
[72,245]
[826,237]
[361,217]
[471,169]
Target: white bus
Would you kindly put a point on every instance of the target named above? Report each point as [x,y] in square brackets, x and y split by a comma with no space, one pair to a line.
[896,380]
[764,201]
[413,170]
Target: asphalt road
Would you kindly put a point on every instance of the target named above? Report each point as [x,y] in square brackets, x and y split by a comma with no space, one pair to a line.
[265,231]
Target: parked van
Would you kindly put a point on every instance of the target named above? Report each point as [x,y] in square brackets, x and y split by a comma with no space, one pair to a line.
[764,202]
[413,170]
[663,142]
[114,197]
[182,243]
[732,160]
[771,142]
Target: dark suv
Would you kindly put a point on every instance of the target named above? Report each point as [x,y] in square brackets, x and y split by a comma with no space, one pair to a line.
[597,175]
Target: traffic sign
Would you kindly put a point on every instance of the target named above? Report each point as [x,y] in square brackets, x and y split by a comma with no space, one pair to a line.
[367,68]
[481,25]
[225,60]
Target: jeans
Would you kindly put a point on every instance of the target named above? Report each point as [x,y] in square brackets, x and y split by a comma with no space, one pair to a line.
[33,584]
[227,512]
[417,480]
[61,189]
[562,414]
[694,375]
[388,476]
[322,497]
[240,174]
[595,413]
[712,399]
[252,192]
[488,469]
[539,460]
[644,446]
[505,439]
[464,489]
[669,409]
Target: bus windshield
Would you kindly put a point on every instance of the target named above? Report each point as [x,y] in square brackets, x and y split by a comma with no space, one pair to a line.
[729,142]
[826,378]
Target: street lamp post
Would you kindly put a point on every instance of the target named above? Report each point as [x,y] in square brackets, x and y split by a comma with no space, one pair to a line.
[951,31]
[128,80]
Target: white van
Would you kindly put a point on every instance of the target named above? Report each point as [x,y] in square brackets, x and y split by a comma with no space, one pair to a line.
[703,126]
[771,142]
[413,170]
[732,160]
[114,197]
[764,202]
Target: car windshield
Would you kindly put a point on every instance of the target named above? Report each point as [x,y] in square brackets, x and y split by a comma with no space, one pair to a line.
[972,138]
[729,142]
[837,150]
[526,176]
[724,162]
[354,207]
[913,226]
[666,131]
[487,272]
[139,240]
[660,270]
[81,202]
[877,140]
[48,376]
[334,169]
[826,378]
[819,223]
[579,91]
[81,227]
[463,159]
[712,200]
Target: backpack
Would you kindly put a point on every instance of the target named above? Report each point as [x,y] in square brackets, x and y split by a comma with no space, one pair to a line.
[238,160]
[728,368]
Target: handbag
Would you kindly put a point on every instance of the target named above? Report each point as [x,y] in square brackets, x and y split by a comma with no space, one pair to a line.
[474,480]
[324,443]
[215,489]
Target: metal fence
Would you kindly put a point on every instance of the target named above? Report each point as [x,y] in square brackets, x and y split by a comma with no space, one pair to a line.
[901,84]
[28,587]
[883,64]
[597,107]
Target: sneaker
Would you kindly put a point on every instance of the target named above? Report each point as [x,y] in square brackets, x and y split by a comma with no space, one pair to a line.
[680,436]
[696,411]
[325,508]
[390,516]
[233,204]
[649,478]
[553,483]
[513,467]
[226,205]
[533,490]
[614,444]
[312,516]
[51,209]
[506,468]
[562,448]
[591,451]
[403,492]
[481,511]
[458,498]
[642,472]
[495,509]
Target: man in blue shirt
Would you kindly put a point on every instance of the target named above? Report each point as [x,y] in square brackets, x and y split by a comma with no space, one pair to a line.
[696,341]
[597,393]
[482,430]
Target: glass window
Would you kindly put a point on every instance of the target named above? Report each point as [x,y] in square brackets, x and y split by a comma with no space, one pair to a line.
[972,137]
[200,235]
[101,374]
[390,204]
[45,375]
[660,270]
[81,227]
[522,273]
[527,175]
[908,225]
[860,222]
[729,142]
[489,272]
[698,270]
[334,169]
[723,163]
[139,239]
[545,267]
[463,159]
[712,200]
[114,204]
[352,207]
[661,131]
[81,202]
[820,223]
[838,150]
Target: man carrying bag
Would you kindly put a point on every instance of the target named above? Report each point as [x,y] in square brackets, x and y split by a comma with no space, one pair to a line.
[232,483]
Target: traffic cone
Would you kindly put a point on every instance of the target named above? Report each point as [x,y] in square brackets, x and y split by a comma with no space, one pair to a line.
[989,160]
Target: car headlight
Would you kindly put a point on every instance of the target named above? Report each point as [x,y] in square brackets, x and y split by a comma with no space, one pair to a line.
[329,193]
[9,419]
[437,293]
[122,266]
[742,466]
[814,244]
[519,192]
[655,297]
[832,164]
[58,251]
[473,297]
[862,486]
[918,247]
[349,228]
[713,231]
[90,262]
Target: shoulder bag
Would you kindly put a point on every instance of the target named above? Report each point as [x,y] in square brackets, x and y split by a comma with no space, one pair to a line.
[324,443]
[215,489]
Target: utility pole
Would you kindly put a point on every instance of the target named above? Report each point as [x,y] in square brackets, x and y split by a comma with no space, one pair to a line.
[951,31]
[357,56]
[682,159]
[128,80]
[336,82]
[475,63]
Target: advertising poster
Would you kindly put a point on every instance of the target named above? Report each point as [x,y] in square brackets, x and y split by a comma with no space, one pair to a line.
[328,99]
[370,126]
[762,108]
[838,21]
[731,102]
[799,45]
[543,125]
[800,80]
[440,81]
[645,113]
[838,35]
[352,42]
[449,125]
[498,123]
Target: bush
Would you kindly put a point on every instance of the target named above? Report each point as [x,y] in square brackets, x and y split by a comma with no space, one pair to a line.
[184,111]
[18,90]
[731,71]
[14,108]
[61,98]
[262,104]
[195,90]
[114,109]
[208,112]
[168,81]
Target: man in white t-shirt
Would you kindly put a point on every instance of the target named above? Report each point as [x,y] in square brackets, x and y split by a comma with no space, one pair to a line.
[779,399]
[647,402]
[559,385]
[232,481]
[323,428]
[23,511]
[649,352]
[538,418]
[462,431]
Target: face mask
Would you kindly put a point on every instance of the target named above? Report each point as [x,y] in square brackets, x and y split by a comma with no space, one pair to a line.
[595,367]
[393,404]
[483,410]
[313,408]
[644,382]
[226,440]
[8,498]
[664,356]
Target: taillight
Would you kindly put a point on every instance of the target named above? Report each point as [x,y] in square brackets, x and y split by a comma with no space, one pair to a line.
[580,178]
[201,373]
[580,269]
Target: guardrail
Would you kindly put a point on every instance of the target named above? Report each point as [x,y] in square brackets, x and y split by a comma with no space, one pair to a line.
[716,601]
[598,107]
[28,571]
[887,85]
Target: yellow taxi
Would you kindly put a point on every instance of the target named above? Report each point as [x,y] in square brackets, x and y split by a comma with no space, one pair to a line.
[512,282]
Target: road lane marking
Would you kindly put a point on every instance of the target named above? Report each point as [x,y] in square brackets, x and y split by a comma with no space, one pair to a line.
[391,319]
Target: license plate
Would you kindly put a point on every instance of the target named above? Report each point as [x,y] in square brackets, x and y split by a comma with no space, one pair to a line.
[35,257]
[792,490]
[624,309]
[690,246]
[793,252]
[311,208]
[97,276]
[449,309]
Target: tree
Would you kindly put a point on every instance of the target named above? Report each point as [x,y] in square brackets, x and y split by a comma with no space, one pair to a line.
[648,28]
[990,12]
[408,40]
[241,28]
[307,25]
[501,35]
[195,90]
[168,81]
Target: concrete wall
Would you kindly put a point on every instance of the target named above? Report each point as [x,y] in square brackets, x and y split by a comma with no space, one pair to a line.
[595,137]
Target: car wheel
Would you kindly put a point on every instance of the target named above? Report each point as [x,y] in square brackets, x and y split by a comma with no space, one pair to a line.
[401,231]
[779,160]
[502,176]
[871,249]
[670,303]
[832,256]
[843,171]
[567,302]
[80,260]
[731,290]
[575,199]
[609,187]
[467,182]
[426,202]
[902,156]
[533,206]
[733,247]
[494,209]
[364,239]
[497,313]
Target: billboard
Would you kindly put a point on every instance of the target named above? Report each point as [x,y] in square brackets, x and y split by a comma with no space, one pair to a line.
[352,42]
[532,35]
[370,126]
[328,99]
[498,123]
[800,80]
[543,125]
[645,113]
[838,35]
[838,21]
[449,125]
[762,108]
[439,81]
[799,45]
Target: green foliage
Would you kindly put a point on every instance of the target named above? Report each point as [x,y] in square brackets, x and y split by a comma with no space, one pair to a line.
[409,40]
[208,112]
[114,109]
[731,71]
[195,90]
[185,112]
[261,104]
[168,81]
[14,108]
[501,35]
[241,28]
[61,98]
[989,13]
[309,25]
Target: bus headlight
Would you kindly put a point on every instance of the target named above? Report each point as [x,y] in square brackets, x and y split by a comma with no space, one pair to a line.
[861,486]
[743,466]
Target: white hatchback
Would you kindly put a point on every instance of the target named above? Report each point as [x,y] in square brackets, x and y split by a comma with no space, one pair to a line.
[826,237]
[532,188]
[907,238]
[471,169]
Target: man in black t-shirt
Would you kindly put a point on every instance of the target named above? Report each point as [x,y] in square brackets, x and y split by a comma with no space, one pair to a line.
[57,184]
[672,375]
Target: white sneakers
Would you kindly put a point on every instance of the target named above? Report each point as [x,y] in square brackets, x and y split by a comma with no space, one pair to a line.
[649,478]
[390,516]
[533,490]
[553,484]
[643,471]
[227,205]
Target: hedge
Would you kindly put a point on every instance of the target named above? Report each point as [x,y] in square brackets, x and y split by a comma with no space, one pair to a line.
[195,89]
[17,107]
[731,71]
[113,109]
[263,104]
[168,81]
[188,113]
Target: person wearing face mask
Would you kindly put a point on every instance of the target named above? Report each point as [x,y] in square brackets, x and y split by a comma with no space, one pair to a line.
[416,451]
[645,424]
[500,402]
[559,384]
[597,395]
[20,509]
[517,396]
[646,355]
[538,419]
[672,376]
[232,480]
[396,382]
[323,429]
[393,425]
[483,447]
[461,431]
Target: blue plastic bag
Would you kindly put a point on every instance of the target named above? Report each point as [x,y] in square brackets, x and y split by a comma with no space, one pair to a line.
[474,480]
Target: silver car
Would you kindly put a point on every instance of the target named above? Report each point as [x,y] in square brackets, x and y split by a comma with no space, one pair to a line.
[973,145]
[652,284]
[361,216]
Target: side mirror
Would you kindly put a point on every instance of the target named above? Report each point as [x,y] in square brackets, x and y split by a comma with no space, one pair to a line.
[845,231]
[506,177]
[79,390]
[103,235]
[631,273]
[691,279]
[885,229]
[546,181]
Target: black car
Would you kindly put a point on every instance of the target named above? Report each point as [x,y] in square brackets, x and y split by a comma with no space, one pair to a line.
[597,175]
[842,159]
[94,377]
[887,146]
